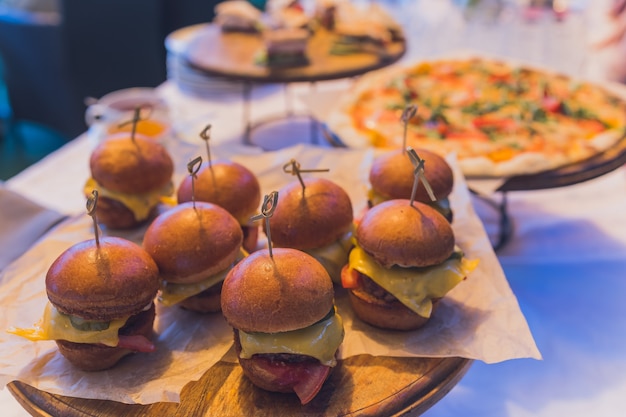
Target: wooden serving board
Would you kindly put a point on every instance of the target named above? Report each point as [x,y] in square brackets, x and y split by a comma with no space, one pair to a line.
[233,56]
[359,386]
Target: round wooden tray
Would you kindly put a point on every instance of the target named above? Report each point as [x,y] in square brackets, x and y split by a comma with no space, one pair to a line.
[232,56]
[359,386]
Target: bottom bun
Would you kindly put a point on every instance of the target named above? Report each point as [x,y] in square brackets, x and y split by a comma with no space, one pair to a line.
[250,238]
[115,215]
[208,301]
[384,314]
[95,357]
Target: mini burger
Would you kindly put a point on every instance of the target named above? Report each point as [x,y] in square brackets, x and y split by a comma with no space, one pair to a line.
[231,186]
[286,47]
[194,247]
[317,221]
[131,175]
[391,177]
[238,16]
[404,261]
[286,328]
[100,303]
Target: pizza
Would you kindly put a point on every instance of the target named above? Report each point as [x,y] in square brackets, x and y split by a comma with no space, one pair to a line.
[500,119]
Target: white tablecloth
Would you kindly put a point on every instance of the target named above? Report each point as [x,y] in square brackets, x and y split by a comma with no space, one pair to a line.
[566,262]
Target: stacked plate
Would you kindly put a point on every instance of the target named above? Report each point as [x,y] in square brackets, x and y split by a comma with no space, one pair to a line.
[191,80]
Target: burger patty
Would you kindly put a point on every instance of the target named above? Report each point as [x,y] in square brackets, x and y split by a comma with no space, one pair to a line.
[137,324]
[366,284]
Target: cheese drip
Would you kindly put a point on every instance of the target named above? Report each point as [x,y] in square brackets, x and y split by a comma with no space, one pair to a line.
[139,204]
[320,341]
[441,205]
[415,287]
[57,326]
[334,256]
[171,293]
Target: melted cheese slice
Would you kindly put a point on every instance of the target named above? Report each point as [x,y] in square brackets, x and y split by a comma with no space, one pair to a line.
[57,326]
[171,294]
[139,204]
[415,287]
[334,256]
[320,341]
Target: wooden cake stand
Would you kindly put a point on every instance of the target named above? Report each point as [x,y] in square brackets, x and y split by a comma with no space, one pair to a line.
[233,57]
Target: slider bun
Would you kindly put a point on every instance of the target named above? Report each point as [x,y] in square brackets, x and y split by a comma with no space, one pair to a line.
[392,175]
[190,244]
[396,233]
[227,184]
[110,281]
[318,219]
[97,357]
[132,167]
[386,315]
[287,292]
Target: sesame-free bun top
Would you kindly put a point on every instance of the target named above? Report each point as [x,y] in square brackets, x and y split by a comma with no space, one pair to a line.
[396,233]
[318,218]
[391,175]
[112,280]
[129,166]
[190,244]
[288,291]
[228,184]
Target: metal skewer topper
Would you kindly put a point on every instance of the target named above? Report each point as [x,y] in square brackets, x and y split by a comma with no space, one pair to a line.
[407,114]
[293,167]
[193,167]
[205,135]
[135,120]
[270,201]
[92,204]
[418,172]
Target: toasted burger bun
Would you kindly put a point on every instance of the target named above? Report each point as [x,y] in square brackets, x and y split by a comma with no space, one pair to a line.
[191,244]
[391,176]
[227,184]
[113,280]
[396,233]
[318,218]
[231,186]
[288,291]
[97,357]
[131,166]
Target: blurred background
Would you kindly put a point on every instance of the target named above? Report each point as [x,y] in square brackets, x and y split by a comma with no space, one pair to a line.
[56,55]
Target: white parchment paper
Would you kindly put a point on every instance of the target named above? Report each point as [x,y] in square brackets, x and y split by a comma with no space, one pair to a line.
[479,319]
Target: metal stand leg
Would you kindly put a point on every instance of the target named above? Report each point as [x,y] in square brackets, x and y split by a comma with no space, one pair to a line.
[247,92]
[505,225]
[288,101]
[314,128]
